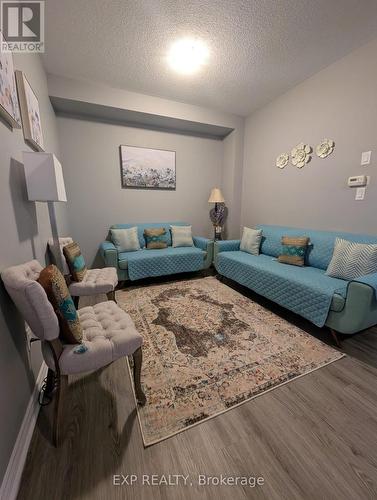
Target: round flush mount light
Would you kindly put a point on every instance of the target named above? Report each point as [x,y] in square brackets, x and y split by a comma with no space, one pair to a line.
[187,56]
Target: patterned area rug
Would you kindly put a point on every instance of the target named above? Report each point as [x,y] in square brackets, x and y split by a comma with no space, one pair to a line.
[208,349]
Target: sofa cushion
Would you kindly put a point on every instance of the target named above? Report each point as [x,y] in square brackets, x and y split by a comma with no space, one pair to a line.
[145,263]
[181,236]
[250,241]
[307,291]
[148,225]
[155,237]
[320,249]
[125,239]
[57,292]
[293,250]
[352,260]
[75,261]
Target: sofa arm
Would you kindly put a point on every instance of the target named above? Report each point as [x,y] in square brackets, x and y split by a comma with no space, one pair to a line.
[224,246]
[201,242]
[109,254]
[227,245]
[359,313]
[206,245]
[370,280]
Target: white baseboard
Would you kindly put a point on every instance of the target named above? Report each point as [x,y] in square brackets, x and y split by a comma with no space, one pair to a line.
[11,482]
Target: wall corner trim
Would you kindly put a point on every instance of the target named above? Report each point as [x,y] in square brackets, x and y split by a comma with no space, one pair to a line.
[12,478]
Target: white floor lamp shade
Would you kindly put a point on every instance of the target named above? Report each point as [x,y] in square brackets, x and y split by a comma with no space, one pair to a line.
[45,183]
[44,177]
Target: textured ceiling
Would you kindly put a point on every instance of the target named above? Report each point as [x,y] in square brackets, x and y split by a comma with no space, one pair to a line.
[258,48]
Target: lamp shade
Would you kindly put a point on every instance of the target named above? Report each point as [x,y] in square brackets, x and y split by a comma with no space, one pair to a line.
[216,196]
[44,177]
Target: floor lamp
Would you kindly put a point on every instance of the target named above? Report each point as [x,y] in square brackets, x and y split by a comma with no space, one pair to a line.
[217,214]
[45,182]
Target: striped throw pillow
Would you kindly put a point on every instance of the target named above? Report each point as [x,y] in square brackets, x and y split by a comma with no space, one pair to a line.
[352,260]
[181,236]
[293,250]
[125,239]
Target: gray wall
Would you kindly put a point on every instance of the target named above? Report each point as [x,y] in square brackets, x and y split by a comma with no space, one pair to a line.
[24,229]
[339,103]
[90,154]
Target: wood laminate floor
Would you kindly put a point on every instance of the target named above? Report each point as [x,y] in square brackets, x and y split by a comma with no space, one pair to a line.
[314,438]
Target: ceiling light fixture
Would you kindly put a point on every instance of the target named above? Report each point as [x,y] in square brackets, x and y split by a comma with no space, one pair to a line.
[187,56]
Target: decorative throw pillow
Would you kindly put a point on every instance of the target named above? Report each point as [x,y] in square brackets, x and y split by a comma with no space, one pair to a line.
[75,261]
[57,292]
[251,240]
[352,260]
[155,238]
[293,250]
[181,236]
[125,240]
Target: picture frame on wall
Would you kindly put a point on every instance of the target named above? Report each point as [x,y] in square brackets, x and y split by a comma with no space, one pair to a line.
[146,168]
[30,114]
[9,107]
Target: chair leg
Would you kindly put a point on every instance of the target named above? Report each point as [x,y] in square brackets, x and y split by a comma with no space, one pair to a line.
[336,338]
[76,301]
[111,296]
[138,360]
[61,384]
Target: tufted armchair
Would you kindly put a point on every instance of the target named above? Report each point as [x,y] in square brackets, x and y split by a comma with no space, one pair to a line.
[108,333]
[95,282]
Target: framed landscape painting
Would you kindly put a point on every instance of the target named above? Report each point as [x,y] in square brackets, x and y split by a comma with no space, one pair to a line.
[9,109]
[144,168]
[30,114]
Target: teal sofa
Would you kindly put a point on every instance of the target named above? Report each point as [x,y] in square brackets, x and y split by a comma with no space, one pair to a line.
[158,262]
[343,306]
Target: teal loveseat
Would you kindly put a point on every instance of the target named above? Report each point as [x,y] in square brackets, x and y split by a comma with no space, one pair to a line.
[343,306]
[158,262]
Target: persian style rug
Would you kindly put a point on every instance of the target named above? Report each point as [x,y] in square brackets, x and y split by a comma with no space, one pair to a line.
[207,349]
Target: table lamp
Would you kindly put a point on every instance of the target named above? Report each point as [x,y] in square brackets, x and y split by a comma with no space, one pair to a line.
[45,183]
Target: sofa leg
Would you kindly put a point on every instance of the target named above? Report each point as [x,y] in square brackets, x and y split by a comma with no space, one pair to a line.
[111,296]
[335,337]
[138,361]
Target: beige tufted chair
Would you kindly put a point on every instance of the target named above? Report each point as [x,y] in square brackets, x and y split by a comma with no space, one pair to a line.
[95,282]
[108,333]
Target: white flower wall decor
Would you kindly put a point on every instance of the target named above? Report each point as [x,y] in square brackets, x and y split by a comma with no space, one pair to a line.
[300,155]
[282,160]
[325,148]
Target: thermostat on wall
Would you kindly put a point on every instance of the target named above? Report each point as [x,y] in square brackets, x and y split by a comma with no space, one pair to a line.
[358,181]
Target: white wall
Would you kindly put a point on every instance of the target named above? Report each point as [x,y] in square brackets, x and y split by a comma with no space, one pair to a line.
[340,103]
[96,200]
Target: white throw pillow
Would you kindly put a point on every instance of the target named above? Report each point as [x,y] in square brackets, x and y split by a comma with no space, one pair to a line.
[352,260]
[181,236]
[125,240]
[251,240]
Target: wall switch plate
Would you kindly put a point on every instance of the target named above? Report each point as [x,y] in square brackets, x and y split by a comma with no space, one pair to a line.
[365,158]
[360,193]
